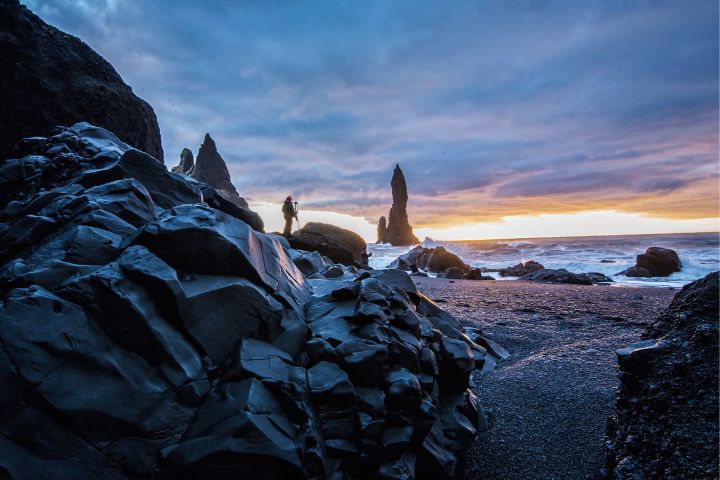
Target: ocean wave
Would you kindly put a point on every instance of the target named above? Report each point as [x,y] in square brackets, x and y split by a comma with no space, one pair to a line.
[699,253]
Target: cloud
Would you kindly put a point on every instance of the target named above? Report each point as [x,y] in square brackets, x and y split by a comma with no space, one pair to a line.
[492,108]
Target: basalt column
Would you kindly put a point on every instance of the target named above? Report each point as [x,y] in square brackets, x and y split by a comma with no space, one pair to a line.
[399,231]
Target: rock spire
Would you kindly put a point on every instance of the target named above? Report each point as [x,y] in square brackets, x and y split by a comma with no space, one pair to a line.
[399,231]
[209,167]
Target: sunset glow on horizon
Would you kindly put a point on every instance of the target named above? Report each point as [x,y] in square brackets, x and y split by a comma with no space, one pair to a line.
[521,226]
[508,119]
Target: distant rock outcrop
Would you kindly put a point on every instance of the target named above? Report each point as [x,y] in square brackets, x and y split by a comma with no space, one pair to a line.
[655,262]
[436,260]
[477,274]
[144,334]
[50,78]
[398,231]
[665,423]
[560,275]
[338,244]
[210,168]
[521,269]
[381,229]
[187,162]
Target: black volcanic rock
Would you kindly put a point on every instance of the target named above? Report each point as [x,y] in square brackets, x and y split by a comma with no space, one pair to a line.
[560,275]
[521,269]
[398,231]
[338,244]
[50,78]
[436,260]
[665,423]
[381,229]
[187,162]
[655,262]
[147,335]
[453,273]
[477,274]
[217,190]
[210,168]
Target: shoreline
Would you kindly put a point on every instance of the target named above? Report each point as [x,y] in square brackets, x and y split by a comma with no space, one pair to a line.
[549,401]
[607,255]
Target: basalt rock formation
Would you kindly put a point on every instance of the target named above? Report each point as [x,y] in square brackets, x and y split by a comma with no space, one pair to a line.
[560,275]
[521,269]
[147,335]
[338,244]
[381,229]
[398,231]
[209,167]
[436,260]
[51,78]
[655,262]
[187,162]
[665,423]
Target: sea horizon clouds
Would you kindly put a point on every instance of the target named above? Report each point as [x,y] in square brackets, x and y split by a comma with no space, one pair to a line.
[492,109]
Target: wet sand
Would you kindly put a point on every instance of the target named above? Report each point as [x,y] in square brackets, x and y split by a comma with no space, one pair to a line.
[549,401]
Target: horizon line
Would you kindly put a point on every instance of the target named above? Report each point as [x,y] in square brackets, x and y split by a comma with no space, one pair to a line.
[563,236]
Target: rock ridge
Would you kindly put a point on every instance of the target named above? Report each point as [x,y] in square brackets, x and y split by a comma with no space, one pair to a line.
[51,78]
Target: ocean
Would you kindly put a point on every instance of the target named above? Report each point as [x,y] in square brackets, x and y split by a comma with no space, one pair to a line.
[699,254]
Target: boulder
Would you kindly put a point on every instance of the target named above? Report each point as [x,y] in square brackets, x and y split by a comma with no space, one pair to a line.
[436,260]
[636,272]
[309,263]
[655,262]
[453,273]
[398,231]
[477,274]
[664,424]
[521,269]
[560,275]
[51,78]
[338,244]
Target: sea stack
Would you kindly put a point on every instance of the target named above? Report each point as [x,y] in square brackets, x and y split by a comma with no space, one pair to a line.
[210,168]
[382,228]
[399,232]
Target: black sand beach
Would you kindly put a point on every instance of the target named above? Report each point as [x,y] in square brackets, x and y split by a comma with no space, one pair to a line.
[550,400]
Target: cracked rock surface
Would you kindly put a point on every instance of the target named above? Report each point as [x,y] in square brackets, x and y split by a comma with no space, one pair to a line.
[150,330]
[665,423]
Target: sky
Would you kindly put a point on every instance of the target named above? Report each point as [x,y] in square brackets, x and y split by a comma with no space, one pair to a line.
[509,118]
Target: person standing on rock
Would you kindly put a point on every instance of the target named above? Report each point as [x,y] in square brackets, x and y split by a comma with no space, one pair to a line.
[289,210]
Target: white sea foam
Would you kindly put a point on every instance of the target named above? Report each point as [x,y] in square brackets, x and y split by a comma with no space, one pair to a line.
[699,253]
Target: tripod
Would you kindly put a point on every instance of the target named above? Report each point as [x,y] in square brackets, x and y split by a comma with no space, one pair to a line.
[295,205]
